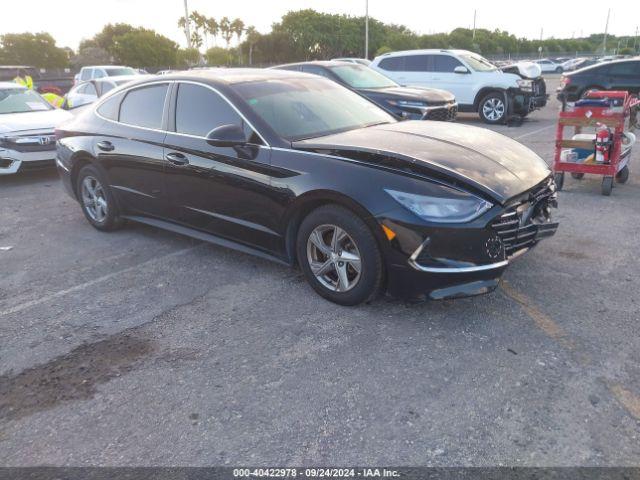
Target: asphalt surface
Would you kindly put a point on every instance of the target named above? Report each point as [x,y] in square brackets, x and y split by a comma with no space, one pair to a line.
[142,347]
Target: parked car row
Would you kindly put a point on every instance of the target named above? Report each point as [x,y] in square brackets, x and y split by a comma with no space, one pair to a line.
[614,75]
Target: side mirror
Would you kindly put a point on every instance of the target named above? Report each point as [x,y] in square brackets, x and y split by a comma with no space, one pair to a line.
[460,69]
[226,136]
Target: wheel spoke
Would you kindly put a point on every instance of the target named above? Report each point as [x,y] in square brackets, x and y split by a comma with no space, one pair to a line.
[343,278]
[317,240]
[352,259]
[88,184]
[319,268]
[338,236]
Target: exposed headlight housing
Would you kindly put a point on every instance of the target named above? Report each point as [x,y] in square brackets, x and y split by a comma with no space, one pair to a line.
[454,207]
[525,84]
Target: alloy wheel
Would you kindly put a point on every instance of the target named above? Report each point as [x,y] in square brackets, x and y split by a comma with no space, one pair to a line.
[334,258]
[94,199]
[493,109]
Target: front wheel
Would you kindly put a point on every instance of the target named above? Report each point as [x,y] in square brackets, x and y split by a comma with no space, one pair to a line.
[493,109]
[339,256]
[97,201]
[623,175]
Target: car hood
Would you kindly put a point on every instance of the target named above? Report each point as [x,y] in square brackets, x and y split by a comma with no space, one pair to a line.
[429,95]
[44,120]
[482,159]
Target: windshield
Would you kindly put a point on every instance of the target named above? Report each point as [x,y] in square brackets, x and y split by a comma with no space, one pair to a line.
[478,63]
[311,107]
[358,76]
[117,72]
[21,100]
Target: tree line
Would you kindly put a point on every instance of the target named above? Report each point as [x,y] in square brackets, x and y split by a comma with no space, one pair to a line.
[299,35]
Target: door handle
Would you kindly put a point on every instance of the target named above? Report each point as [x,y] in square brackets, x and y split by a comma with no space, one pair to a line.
[105,146]
[177,158]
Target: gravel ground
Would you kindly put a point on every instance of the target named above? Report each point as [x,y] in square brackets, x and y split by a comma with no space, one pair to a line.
[142,347]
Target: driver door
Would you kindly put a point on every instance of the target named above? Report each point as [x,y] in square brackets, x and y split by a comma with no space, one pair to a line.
[220,190]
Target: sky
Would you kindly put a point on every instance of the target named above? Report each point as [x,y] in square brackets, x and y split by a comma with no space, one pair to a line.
[69,21]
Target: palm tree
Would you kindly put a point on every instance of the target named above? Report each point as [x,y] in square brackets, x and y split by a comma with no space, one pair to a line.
[225,30]
[252,38]
[212,28]
[237,27]
[199,23]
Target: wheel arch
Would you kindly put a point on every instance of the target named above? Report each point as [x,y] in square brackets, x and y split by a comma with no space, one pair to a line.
[483,92]
[309,201]
[78,160]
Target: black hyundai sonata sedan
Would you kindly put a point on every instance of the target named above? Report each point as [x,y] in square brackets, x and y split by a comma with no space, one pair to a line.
[298,169]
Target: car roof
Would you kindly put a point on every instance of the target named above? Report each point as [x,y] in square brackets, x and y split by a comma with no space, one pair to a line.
[320,63]
[426,51]
[5,85]
[106,66]
[120,78]
[230,76]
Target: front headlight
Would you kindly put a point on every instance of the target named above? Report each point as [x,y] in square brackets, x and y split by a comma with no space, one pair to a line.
[525,85]
[455,207]
[408,103]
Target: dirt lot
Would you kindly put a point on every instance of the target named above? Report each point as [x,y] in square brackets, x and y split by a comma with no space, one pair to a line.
[142,347]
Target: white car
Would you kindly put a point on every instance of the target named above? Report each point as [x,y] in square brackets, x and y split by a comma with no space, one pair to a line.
[549,66]
[102,71]
[88,92]
[478,85]
[27,123]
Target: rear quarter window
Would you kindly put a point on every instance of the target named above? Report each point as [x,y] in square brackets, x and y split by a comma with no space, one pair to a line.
[111,107]
[143,107]
[392,64]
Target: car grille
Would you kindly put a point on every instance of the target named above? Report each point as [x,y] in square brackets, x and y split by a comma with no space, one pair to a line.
[43,142]
[443,114]
[516,227]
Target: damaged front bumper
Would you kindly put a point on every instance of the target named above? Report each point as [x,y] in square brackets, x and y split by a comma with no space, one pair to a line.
[464,260]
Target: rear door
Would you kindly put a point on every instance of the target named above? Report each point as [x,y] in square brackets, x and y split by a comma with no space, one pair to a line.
[221,190]
[131,147]
[444,77]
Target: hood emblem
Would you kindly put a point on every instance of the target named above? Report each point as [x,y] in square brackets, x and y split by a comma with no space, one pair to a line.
[45,140]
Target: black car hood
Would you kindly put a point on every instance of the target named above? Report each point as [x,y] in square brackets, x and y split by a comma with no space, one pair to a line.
[485,160]
[429,95]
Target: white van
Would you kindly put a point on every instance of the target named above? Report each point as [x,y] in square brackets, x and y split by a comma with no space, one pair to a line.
[101,71]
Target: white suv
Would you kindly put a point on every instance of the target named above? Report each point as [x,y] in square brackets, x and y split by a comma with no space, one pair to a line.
[101,71]
[478,85]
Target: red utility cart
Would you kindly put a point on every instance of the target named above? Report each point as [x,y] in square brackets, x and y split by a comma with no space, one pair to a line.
[610,108]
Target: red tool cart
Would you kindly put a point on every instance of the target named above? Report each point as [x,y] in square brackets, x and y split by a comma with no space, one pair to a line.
[605,152]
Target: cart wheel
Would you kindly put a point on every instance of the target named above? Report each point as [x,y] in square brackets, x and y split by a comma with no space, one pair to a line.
[559,179]
[623,175]
[577,175]
[607,185]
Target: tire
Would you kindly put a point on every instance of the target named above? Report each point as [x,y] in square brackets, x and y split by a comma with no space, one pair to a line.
[559,70]
[577,175]
[607,186]
[96,200]
[559,179]
[623,175]
[331,267]
[492,109]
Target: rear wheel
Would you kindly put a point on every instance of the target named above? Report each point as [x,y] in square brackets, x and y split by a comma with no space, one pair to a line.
[559,179]
[339,256]
[623,175]
[96,199]
[493,109]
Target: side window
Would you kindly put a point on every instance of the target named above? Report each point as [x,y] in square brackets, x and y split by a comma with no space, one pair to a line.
[106,86]
[315,70]
[625,69]
[199,110]
[143,106]
[90,89]
[86,74]
[445,63]
[392,64]
[109,109]
[98,73]
[418,63]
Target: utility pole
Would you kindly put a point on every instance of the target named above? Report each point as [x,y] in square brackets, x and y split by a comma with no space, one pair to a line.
[540,47]
[635,40]
[474,25]
[186,24]
[606,30]
[366,29]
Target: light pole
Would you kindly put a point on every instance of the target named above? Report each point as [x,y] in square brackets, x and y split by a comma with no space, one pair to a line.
[474,25]
[366,29]
[186,24]
[606,30]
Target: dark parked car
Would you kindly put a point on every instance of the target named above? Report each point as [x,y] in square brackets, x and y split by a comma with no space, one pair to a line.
[616,75]
[414,103]
[298,169]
